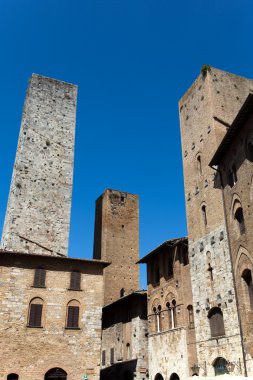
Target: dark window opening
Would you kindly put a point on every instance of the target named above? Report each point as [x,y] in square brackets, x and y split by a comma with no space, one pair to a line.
[122,292]
[112,356]
[240,219]
[35,315]
[39,278]
[12,376]
[250,151]
[170,265]
[190,316]
[75,280]
[199,165]
[210,271]
[216,322]
[73,317]
[203,208]
[220,366]
[157,275]
[56,374]
[103,357]
[248,280]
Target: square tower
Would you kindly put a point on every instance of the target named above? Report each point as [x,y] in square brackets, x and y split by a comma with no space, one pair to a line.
[206,113]
[38,211]
[116,240]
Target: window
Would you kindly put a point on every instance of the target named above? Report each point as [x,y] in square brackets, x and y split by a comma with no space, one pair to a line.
[199,165]
[232,176]
[174,316]
[35,312]
[170,265]
[157,313]
[112,356]
[73,315]
[103,357]
[240,219]
[122,292]
[216,322]
[247,277]
[75,280]
[157,275]
[203,209]
[128,351]
[190,316]
[39,278]
[172,313]
[249,147]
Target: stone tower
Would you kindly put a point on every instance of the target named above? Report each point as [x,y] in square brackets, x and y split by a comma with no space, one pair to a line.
[206,111]
[38,212]
[116,240]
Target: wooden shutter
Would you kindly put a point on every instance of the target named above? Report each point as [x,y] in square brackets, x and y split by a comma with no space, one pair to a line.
[217,323]
[112,356]
[39,278]
[73,316]
[103,357]
[35,315]
[75,280]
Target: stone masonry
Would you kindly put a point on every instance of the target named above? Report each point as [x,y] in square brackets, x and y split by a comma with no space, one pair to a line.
[206,112]
[38,212]
[116,240]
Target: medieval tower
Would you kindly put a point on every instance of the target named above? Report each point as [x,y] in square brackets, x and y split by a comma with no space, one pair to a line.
[206,111]
[38,212]
[116,240]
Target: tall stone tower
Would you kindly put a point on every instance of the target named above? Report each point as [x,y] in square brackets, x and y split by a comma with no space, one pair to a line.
[38,212]
[116,240]
[206,111]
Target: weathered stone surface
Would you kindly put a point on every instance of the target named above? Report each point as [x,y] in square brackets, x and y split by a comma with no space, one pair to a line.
[38,212]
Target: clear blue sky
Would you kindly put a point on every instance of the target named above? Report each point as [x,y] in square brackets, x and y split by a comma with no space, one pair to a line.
[132,61]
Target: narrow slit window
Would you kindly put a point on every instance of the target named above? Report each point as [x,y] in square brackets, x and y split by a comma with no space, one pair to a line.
[240,220]
[203,209]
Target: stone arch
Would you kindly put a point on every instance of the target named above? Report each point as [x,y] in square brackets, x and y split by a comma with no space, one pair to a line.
[242,251]
[174,376]
[219,365]
[158,376]
[56,374]
[13,376]
[235,203]
[170,295]
[156,302]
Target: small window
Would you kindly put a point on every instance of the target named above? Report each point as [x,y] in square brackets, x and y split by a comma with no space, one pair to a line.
[35,312]
[216,322]
[103,357]
[203,209]
[73,315]
[112,356]
[122,292]
[220,367]
[240,219]
[199,165]
[39,278]
[75,281]
[190,316]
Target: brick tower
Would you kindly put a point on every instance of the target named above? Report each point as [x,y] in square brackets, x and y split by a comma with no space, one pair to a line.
[116,240]
[206,111]
[38,212]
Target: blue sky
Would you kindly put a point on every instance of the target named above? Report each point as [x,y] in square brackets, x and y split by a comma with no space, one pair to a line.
[132,61]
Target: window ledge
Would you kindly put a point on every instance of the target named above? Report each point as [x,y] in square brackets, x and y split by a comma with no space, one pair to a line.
[34,327]
[75,290]
[218,337]
[72,328]
[40,287]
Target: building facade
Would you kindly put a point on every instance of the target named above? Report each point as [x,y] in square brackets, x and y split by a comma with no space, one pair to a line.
[171,340]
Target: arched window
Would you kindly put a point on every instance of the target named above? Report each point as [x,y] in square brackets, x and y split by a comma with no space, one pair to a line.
[174,376]
[240,220]
[75,280]
[73,315]
[203,209]
[169,316]
[35,312]
[247,277]
[220,366]
[12,376]
[216,322]
[39,277]
[174,315]
[56,373]
[158,376]
[232,176]
[157,312]
[122,292]
[190,316]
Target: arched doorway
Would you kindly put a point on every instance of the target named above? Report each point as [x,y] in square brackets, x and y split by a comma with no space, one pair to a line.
[56,374]
[12,376]
[174,376]
[158,376]
[220,366]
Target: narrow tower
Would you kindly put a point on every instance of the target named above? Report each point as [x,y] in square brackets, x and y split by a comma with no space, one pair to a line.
[38,211]
[116,240]
[206,112]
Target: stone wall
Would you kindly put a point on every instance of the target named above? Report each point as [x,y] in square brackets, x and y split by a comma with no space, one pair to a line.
[116,240]
[31,352]
[38,212]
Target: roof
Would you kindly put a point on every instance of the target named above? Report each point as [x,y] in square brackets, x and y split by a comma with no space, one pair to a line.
[49,257]
[168,243]
[127,297]
[238,123]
